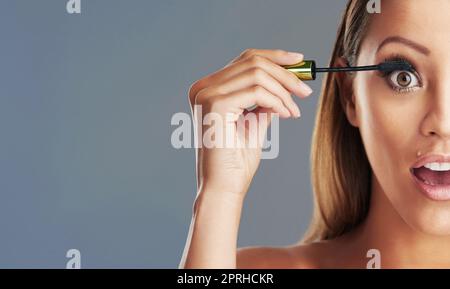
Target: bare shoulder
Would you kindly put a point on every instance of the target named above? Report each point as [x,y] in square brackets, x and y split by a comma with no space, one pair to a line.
[299,256]
[340,252]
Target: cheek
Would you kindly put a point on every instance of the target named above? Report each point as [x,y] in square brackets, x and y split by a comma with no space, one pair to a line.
[388,126]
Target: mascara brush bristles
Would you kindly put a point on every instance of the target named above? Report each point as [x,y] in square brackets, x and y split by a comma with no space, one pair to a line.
[395,65]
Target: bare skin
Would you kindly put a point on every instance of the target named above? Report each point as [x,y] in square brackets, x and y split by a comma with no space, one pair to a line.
[409,229]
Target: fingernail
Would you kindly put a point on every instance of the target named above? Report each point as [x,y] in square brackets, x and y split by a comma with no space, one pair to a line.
[305,88]
[296,111]
[295,55]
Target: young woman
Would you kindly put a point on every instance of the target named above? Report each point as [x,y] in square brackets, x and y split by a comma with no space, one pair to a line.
[380,152]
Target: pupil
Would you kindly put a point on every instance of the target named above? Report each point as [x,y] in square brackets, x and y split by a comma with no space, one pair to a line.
[403,79]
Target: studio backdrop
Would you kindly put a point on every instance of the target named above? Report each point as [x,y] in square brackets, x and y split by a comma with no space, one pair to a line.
[89,171]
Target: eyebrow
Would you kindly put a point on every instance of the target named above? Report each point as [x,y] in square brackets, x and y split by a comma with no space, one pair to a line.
[422,49]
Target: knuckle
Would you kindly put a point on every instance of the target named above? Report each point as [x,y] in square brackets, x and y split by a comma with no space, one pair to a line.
[207,98]
[258,90]
[248,52]
[193,90]
[202,96]
[256,60]
[258,74]
[191,96]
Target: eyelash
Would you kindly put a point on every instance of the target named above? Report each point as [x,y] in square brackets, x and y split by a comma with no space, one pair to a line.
[388,74]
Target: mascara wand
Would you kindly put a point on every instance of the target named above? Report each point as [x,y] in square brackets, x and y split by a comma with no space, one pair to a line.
[306,70]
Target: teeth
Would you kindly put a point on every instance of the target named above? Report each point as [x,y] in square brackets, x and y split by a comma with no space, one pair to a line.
[438,166]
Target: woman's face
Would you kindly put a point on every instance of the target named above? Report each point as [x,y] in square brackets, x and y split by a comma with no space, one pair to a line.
[405,114]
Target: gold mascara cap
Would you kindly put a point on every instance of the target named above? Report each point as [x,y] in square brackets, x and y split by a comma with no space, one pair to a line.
[305,70]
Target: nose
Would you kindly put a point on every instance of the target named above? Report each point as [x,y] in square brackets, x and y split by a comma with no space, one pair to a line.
[437,120]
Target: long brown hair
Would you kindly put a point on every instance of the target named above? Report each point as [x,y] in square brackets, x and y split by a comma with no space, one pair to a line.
[341,173]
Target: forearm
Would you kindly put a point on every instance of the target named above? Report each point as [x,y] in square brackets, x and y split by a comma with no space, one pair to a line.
[212,238]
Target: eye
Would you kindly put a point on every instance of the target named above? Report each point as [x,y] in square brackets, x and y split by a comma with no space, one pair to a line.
[404,81]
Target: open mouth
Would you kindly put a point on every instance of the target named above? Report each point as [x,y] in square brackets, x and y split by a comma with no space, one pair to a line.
[434,180]
[434,173]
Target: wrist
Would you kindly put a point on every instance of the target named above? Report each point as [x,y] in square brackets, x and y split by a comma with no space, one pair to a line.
[230,189]
[213,198]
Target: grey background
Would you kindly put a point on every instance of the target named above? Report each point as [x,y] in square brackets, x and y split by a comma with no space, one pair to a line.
[85,108]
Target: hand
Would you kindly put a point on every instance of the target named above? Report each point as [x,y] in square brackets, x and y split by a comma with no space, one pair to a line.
[254,78]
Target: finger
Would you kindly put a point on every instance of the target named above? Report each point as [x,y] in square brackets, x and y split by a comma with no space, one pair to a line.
[288,79]
[256,95]
[268,112]
[264,122]
[278,56]
[257,76]
[253,125]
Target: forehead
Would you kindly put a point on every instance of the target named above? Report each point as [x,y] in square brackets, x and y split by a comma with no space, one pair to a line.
[423,21]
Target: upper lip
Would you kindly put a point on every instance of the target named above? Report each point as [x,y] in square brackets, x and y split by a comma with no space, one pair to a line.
[431,158]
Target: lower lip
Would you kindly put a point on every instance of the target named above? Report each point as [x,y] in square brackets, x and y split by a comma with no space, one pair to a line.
[433,192]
